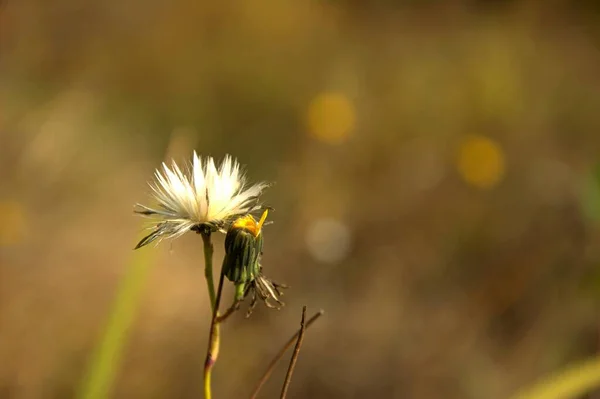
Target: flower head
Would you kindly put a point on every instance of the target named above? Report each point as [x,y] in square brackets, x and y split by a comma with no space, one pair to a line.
[241,265]
[203,197]
[243,247]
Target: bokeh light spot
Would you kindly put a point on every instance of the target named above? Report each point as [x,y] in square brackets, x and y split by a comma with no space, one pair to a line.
[328,240]
[331,117]
[12,223]
[480,161]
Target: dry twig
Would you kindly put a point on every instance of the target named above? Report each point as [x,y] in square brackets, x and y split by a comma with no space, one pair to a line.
[282,351]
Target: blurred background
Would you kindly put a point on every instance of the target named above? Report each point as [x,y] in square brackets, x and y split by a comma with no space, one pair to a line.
[437,190]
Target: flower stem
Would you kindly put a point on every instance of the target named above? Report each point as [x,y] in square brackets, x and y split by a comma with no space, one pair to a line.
[214,335]
[208,270]
[235,306]
[214,339]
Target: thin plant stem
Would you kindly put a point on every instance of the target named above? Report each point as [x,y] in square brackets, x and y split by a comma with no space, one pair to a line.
[294,359]
[235,306]
[265,377]
[214,338]
[208,269]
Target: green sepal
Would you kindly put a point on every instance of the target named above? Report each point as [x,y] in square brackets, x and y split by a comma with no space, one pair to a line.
[240,290]
[242,252]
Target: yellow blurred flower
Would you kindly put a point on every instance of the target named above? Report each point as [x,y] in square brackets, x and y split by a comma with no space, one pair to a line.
[12,222]
[480,161]
[331,117]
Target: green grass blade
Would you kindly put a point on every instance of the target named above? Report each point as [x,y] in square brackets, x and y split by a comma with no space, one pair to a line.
[569,383]
[105,361]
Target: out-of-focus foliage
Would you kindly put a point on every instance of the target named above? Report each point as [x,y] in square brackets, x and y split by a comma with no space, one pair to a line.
[437,191]
[106,360]
[569,383]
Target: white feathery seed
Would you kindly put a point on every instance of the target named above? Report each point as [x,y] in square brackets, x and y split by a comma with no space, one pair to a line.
[203,195]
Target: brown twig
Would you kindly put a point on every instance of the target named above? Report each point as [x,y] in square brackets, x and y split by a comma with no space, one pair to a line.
[294,359]
[281,352]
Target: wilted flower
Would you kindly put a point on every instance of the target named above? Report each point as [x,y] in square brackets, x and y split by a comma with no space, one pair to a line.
[204,197]
[241,265]
[266,289]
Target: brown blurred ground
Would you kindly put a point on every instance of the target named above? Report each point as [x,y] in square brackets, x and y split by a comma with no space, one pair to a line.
[451,146]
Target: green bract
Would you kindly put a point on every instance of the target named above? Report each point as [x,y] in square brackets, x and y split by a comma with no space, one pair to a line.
[242,252]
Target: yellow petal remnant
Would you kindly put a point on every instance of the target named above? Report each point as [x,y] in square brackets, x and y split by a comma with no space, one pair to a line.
[262,219]
[249,223]
[331,117]
[480,161]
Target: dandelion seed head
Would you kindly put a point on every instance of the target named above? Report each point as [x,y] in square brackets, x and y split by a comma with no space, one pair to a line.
[200,194]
